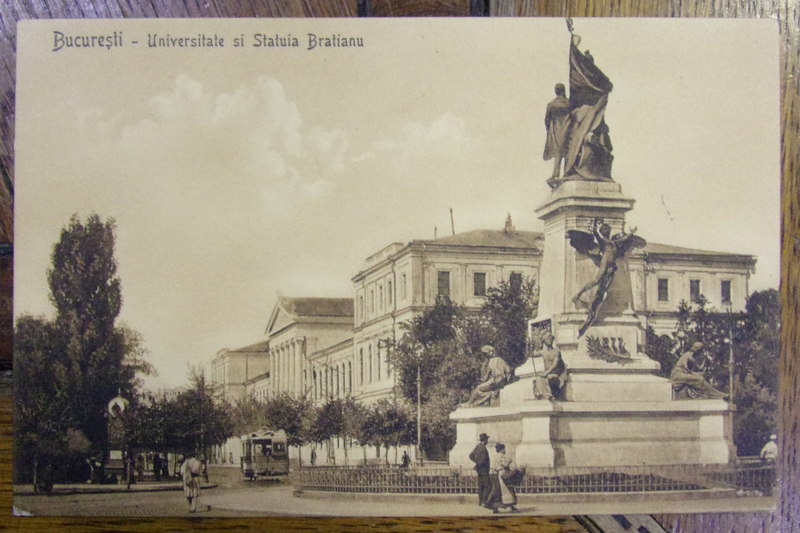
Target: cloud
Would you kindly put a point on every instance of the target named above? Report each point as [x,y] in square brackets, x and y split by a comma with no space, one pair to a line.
[445,137]
[239,145]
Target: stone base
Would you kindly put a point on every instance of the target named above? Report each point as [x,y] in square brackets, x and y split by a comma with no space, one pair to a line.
[591,387]
[540,433]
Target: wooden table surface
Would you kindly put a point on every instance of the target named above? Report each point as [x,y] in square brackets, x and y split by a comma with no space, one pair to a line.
[787,515]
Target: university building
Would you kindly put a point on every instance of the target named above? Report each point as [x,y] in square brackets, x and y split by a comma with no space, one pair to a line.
[335,347]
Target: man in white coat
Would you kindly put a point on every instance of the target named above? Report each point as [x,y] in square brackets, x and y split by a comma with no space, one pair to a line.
[190,473]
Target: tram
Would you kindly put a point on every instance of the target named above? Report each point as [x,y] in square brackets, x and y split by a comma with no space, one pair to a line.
[265,454]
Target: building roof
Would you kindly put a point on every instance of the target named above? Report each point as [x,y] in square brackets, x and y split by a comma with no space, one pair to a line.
[656,248]
[262,346]
[534,240]
[496,238]
[342,307]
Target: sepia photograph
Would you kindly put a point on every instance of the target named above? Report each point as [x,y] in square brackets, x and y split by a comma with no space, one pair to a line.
[396,267]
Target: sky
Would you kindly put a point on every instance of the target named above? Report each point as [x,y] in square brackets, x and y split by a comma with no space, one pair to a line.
[235,174]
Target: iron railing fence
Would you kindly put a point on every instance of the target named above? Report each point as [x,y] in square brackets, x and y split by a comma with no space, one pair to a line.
[741,480]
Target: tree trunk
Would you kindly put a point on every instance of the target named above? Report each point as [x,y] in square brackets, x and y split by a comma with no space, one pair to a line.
[36,473]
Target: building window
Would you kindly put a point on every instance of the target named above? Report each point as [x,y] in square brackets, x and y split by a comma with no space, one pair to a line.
[694,290]
[479,284]
[515,280]
[443,283]
[380,297]
[403,286]
[389,294]
[349,377]
[361,308]
[663,290]
[361,362]
[369,357]
[725,291]
[371,301]
[378,364]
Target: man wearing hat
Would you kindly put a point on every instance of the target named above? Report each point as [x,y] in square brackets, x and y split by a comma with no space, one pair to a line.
[687,377]
[480,456]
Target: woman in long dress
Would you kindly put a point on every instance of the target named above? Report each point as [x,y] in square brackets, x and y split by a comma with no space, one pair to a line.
[501,494]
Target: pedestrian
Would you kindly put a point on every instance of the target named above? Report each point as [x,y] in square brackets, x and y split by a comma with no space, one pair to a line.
[406,460]
[502,492]
[204,461]
[190,474]
[165,466]
[313,456]
[130,468]
[480,456]
[139,468]
[769,453]
[157,466]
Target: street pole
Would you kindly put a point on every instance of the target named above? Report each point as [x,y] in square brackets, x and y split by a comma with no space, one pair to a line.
[419,414]
[730,371]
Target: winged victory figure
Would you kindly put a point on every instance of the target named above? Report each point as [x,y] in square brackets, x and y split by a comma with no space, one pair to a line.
[604,250]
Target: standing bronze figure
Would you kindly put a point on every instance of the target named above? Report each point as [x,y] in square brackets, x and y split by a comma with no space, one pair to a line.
[576,129]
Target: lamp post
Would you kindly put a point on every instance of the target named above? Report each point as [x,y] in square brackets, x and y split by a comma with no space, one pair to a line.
[731,405]
[419,411]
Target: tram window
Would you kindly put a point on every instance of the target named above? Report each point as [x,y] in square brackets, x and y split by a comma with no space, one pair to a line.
[279,447]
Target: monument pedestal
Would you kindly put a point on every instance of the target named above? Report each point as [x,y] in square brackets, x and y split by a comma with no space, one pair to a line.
[616,411]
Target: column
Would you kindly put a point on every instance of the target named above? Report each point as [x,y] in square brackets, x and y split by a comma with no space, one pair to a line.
[272,370]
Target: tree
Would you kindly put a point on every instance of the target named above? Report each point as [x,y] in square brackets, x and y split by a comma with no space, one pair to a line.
[393,425]
[505,313]
[247,415]
[41,407]
[756,365]
[191,422]
[427,341]
[89,358]
[752,340]
[437,358]
[204,419]
[328,422]
[154,424]
[86,294]
[294,415]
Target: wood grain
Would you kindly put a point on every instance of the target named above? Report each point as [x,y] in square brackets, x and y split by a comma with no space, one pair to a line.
[787,515]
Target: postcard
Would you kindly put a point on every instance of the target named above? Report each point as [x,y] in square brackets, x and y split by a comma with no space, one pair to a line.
[396,267]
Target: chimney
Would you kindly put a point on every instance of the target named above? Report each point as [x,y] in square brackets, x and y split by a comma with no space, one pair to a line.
[509,228]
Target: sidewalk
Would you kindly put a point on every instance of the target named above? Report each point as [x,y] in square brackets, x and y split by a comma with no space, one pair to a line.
[87,488]
[286,501]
